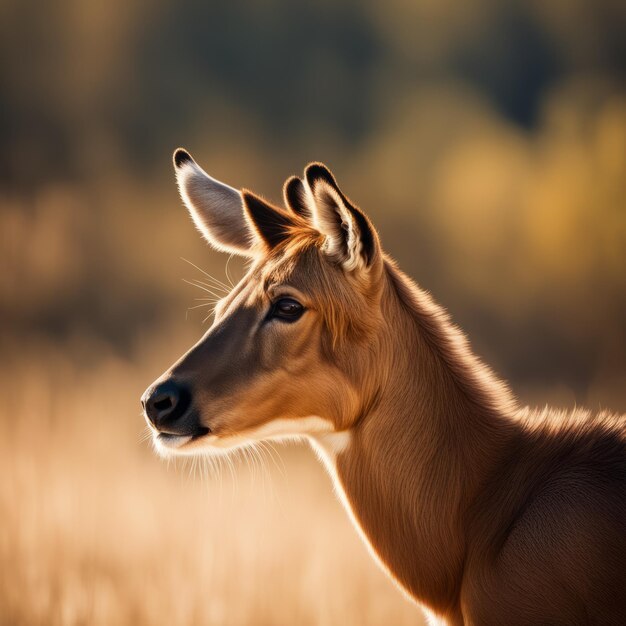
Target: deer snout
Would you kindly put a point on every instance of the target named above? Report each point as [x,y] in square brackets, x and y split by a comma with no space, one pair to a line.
[167,406]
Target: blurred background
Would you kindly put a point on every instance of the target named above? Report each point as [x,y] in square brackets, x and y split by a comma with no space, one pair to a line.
[487,141]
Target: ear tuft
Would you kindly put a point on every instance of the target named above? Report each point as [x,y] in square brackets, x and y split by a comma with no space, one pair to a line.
[273,225]
[294,195]
[181,156]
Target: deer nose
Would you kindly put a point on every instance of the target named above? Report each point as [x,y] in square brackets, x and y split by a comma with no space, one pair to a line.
[166,403]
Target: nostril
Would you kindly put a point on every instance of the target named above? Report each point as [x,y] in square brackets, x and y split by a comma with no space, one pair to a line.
[163,404]
[167,403]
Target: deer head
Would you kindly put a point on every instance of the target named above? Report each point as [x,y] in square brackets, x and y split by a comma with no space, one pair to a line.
[292,346]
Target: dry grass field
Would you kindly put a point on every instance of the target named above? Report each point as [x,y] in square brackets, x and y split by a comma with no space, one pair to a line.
[97,530]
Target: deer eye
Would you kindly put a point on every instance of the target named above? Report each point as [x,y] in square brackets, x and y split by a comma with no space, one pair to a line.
[287,310]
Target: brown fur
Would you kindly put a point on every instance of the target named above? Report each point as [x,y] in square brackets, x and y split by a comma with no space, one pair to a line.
[483,512]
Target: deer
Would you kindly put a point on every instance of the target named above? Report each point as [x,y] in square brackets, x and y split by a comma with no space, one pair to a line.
[484,512]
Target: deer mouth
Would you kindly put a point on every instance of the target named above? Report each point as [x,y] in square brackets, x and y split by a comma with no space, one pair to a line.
[175,440]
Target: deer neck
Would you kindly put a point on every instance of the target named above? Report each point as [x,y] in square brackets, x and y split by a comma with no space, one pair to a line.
[410,468]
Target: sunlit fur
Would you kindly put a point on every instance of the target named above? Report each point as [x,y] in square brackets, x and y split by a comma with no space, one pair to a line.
[484,512]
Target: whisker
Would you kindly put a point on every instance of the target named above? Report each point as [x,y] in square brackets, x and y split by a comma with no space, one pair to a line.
[224,285]
[211,286]
[270,450]
[250,465]
[204,321]
[199,306]
[200,286]
[230,280]
[145,435]
[258,449]
[231,469]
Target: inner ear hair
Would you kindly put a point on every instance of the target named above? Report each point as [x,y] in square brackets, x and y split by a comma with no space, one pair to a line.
[347,217]
[333,219]
[295,197]
[272,225]
[215,207]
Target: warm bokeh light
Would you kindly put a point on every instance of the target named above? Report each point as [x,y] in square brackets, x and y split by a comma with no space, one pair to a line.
[487,143]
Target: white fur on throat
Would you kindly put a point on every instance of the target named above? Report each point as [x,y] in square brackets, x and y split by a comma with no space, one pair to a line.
[319,430]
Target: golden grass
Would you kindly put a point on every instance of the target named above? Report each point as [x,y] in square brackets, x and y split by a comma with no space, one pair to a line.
[97,530]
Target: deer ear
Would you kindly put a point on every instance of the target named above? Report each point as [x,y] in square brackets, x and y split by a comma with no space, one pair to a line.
[350,237]
[271,224]
[216,208]
[295,197]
